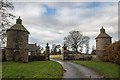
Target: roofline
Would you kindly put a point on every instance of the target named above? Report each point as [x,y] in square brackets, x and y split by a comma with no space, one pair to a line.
[17,30]
[31,44]
[103,37]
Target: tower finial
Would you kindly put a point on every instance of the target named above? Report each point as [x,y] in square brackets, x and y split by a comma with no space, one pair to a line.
[102,27]
[102,30]
[47,44]
[19,21]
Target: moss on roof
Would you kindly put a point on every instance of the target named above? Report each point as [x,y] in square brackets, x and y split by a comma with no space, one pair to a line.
[103,35]
[18,26]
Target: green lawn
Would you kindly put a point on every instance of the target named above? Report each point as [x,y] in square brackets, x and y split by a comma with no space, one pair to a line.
[106,69]
[35,69]
[0,70]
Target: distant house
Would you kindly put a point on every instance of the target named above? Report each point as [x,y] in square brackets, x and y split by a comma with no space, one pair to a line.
[34,52]
[32,49]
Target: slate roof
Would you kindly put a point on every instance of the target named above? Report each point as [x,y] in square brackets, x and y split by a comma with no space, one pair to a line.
[103,34]
[18,26]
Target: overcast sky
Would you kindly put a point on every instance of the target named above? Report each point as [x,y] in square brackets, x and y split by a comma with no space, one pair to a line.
[50,22]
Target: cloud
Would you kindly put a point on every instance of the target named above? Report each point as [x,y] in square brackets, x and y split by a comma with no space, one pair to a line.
[65,0]
[29,11]
[62,17]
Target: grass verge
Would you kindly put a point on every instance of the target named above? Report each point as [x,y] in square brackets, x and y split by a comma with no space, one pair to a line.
[109,70]
[0,70]
[35,69]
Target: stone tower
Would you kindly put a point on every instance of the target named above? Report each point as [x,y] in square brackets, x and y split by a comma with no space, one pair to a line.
[17,42]
[103,40]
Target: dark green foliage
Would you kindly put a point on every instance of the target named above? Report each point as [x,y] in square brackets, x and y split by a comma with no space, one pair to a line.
[113,53]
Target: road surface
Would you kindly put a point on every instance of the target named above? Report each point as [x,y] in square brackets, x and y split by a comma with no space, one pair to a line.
[72,70]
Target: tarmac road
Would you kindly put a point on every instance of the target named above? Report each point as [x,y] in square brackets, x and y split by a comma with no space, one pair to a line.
[72,70]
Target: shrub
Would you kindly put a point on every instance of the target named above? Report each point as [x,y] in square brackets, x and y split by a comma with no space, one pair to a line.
[113,53]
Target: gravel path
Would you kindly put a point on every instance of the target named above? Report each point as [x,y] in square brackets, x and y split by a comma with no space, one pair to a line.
[72,70]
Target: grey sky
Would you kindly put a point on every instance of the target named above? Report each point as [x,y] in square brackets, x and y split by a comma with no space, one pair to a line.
[51,21]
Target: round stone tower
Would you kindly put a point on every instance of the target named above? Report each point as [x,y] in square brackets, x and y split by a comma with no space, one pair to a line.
[103,40]
[17,42]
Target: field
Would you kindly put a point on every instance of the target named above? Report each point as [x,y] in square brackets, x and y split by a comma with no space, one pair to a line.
[59,57]
[106,69]
[35,69]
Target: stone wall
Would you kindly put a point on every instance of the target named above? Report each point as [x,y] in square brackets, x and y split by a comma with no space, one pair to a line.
[100,54]
[17,46]
[102,43]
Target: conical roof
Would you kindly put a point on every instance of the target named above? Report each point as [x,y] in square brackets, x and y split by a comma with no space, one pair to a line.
[103,34]
[18,26]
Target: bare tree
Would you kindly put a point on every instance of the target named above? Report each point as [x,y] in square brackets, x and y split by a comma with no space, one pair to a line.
[5,17]
[81,49]
[76,39]
[93,50]
[40,49]
[87,48]
[55,49]
[58,49]
[58,46]
[93,47]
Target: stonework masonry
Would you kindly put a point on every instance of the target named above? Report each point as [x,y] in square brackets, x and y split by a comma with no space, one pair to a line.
[17,43]
[103,40]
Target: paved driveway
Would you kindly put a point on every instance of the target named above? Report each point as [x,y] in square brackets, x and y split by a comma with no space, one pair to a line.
[72,70]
